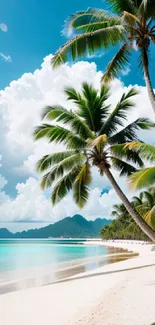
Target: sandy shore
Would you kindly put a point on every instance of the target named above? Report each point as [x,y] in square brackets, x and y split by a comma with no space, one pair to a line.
[122,293]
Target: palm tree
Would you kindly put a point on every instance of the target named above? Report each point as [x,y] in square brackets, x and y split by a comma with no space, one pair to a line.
[146,176]
[145,205]
[118,210]
[94,29]
[123,226]
[90,133]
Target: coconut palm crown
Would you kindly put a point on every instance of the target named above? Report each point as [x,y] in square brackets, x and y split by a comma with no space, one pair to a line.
[132,25]
[92,135]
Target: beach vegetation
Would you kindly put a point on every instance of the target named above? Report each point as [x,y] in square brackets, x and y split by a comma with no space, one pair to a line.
[123,226]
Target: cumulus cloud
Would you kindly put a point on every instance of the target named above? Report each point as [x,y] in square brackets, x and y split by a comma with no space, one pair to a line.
[21,104]
[29,204]
[20,107]
[3,27]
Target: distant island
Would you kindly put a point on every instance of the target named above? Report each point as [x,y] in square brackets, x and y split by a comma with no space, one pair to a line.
[70,227]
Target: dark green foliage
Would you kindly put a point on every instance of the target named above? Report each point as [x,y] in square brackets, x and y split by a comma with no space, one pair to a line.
[120,229]
[124,227]
[75,227]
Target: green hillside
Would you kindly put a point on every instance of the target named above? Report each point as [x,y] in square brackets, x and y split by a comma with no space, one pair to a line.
[74,227]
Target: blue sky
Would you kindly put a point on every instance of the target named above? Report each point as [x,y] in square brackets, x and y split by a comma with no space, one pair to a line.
[34,31]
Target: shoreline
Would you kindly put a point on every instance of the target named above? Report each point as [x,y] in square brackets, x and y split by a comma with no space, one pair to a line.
[16,280]
[138,246]
[89,293]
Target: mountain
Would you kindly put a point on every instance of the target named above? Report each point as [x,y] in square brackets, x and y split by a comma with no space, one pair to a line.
[100,223]
[5,233]
[74,227]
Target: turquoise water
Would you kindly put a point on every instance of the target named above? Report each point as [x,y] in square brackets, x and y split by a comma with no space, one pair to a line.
[30,263]
[25,254]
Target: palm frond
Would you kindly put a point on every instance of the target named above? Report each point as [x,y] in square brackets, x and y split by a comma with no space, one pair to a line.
[146,9]
[91,105]
[142,178]
[146,151]
[129,133]
[119,114]
[91,16]
[148,198]
[52,112]
[60,114]
[88,43]
[50,160]
[80,187]
[149,217]
[117,64]
[130,18]
[123,167]
[85,110]
[114,214]
[121,151]
[99,142]
[59,134]
[119,6]
[72,94]
[91,27]
[96,109]
[104,93]
[62,188]
[61,168]
[137,200]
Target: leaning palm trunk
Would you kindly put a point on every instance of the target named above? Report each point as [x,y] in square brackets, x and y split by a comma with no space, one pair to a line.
[134,214]
[149,85]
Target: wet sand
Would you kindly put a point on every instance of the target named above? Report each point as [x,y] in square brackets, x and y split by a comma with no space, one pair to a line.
[18,280]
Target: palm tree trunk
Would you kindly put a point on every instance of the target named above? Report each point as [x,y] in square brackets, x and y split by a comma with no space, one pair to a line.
[149,84]
[134,214]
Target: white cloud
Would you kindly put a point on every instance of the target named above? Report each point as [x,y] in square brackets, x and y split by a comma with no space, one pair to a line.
[126,71]
[3,27]
[96,55]
[22,103]
[29,204]
[20,107]
[6,58]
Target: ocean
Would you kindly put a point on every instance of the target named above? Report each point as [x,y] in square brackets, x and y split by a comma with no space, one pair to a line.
[28,263]
[21,254]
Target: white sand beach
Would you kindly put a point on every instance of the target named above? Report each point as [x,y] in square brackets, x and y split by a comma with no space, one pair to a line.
[121,293]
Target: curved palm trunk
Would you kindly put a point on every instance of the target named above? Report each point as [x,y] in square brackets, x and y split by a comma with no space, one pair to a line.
[149,84]
[134,214]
